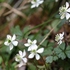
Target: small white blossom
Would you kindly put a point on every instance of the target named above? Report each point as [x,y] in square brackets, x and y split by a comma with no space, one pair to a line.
[36,3]
[59,38]
[11,41]
[31,44]
[21,58]
[65,11]
[35,52]
[56,0]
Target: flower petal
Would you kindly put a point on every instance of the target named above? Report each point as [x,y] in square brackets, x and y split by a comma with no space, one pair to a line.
[32,47]
[40,50]
[6,43]
[24,53]
[29,41]
[37,56]
[62,17]
[9,37]
[25,60]
[59,42]
[31,55]
[56,0]
[15,43]
[27,44]
[68,10]
[16,58]
[29,48]
[67,4]
[20,53]
[20,64]
[33,6]
[41,2]
[61,36]
[11,46]
[67,16]
[37,4]
[14,37]
[35,41]
[32,2]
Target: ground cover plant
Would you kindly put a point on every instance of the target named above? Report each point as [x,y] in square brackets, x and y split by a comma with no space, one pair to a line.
[34,35]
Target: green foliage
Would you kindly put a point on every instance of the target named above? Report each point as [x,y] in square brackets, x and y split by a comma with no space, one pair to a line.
[54,24]
[1,60]
[32,67]
[48,49]
[49,59]
[59,52]
[67,51]
[47,16]
[16,30]
[64,63]
[2,0]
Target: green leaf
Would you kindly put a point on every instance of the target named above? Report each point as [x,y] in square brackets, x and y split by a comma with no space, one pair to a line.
[46,31]
[68,53]
[31,37]
[49,59]
[55,58]
[32,67]
[2,0]
[45,43]
[57,50]
[16,31]
[47,52]
[62,55]
[19,37]
[68,48]
[62,46]
[51,44]
[54,24]
[1,60]
[39,37]
[25,30]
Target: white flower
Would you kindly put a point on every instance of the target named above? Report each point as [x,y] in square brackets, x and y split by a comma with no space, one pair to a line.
[35,52]
[31,44]
[32,47]
[36,3]
[56,0]
[65,11]
[11,41]
[21,58]
[59,38]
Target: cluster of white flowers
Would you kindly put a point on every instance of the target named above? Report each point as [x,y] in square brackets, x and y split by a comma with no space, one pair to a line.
[65,11]
[11,41]
[36,3]
[21,58]
[33,48]
[59,38]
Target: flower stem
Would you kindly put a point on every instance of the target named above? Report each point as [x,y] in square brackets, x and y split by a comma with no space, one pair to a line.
[45,37]
[35,64]
[65,35]
[44,62]
[48,34]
